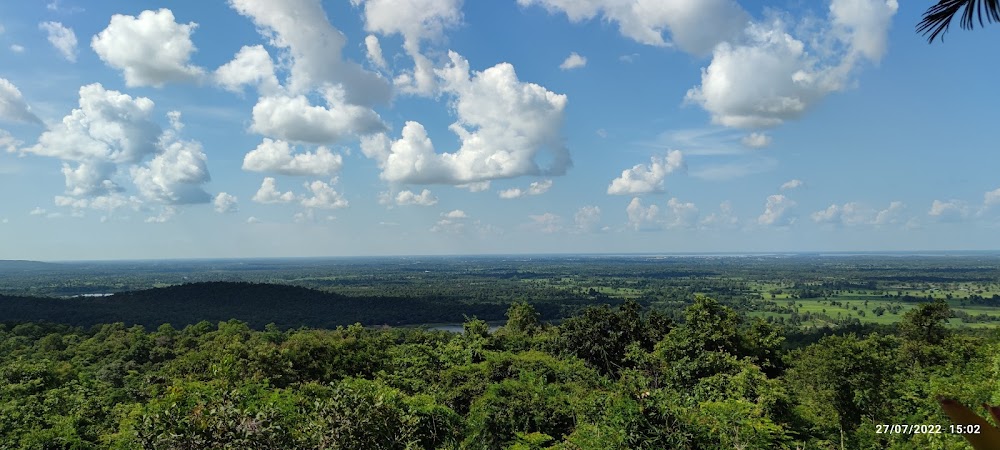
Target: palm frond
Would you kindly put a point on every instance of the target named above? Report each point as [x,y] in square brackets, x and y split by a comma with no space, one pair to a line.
[938,18]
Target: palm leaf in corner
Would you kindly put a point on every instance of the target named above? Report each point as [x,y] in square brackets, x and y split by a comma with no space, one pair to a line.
[938,18]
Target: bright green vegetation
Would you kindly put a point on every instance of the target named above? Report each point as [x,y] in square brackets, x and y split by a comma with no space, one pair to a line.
[605,378]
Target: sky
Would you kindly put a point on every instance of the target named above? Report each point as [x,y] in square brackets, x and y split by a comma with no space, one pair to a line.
[281,128]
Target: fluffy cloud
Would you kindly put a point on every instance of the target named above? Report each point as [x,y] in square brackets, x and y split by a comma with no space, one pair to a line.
[165,215]
[646,179]
[587,218]
[415,21]
[890,215]
[769,76]
[504,125]
[323,197]
[17,48]
[91,178]
[726,217]
[695,26]
[12,105]
[175,175]
[8,143]
[478,186]
[277,157]
[756,140]
[792,184]
[62,38]
[643,217]
[269,193]
[776,211]
[864,24]
[949,210]
[108,126]
[681,214]
[536,188]
[109,204]
[110,136]
[851,214]
[424,198]
[545,223]
[151,49]
[374,51]
[573,61]
[295,119]
[451,222]
[225,203]
[991,198]
[252,65]
[678,215]
[314,48]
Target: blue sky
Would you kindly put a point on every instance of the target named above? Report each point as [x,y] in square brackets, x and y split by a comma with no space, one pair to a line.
[386,127]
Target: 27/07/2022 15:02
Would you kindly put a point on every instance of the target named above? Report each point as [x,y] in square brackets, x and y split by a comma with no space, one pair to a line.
[927,429]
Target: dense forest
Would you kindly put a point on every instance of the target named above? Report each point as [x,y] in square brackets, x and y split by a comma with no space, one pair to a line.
[256,304]
[620,377]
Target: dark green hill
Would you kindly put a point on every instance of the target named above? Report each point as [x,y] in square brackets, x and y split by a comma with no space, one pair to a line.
[256,304]
[14,265]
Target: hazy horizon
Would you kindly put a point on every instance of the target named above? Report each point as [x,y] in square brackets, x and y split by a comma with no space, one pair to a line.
[307,128]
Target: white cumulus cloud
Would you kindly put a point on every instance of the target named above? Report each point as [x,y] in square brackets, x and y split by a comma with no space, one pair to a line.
[725,217]
[694,26]
[756,140]
[313,49]
[166,214]
[62,38]
[587,218]
[12,105]
[647,178]
[295,119]
[424,198]
[573,61]
[374,51]
[643,218]
[252,65]
[535,188]
[110,136]
[279,157]
[681,214]
[949,210]
[416,21]
[546,223]
[852,214]
[768,76]
[776,211]
[175,175]
[323,196]
[792,184]
[991,198]
[151,49]
[269,193]
[504,125]
[225,203]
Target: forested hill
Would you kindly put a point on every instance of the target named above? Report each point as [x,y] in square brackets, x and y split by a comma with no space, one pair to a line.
[255,304]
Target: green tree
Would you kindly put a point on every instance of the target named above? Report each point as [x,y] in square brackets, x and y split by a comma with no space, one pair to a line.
[841,381]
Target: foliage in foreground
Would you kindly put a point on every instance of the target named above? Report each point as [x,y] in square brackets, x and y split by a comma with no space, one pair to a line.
[606,378]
